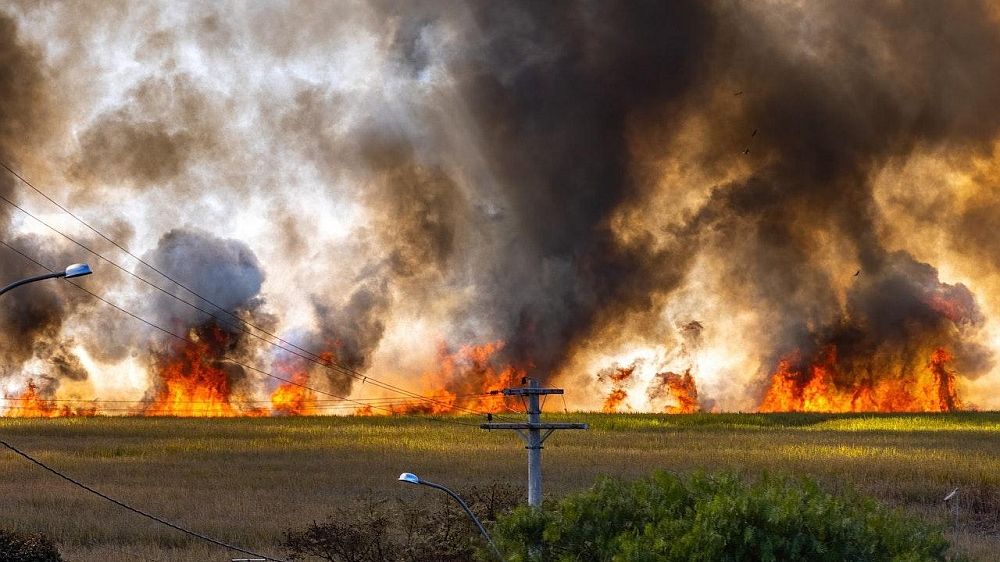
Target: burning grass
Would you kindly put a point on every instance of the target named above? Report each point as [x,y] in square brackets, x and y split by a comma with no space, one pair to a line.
[822,386]
[247,480]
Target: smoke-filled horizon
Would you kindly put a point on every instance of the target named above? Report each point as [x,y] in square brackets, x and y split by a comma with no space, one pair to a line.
[766,200]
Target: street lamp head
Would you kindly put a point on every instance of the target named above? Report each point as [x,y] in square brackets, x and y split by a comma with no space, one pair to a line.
[409,477]
[77,270]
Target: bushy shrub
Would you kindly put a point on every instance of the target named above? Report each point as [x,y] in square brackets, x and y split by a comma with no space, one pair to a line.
[27,547]
[714,518]
[346,538]
[413,531]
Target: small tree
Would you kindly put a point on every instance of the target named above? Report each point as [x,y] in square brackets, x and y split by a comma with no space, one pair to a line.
[714,518]
[27,547]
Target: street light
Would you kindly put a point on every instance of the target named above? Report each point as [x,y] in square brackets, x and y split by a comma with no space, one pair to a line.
[411,478]
[75,270]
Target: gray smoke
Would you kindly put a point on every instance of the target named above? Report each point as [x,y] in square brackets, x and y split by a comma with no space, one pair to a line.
[489,177]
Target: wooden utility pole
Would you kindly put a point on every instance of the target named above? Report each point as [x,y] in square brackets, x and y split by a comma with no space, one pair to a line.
[531,433]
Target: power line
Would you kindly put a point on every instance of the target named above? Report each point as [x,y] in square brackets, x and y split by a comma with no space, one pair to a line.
[19,407]
[192,342]
[315,357]
[311,357]
[135,510]
[241,401]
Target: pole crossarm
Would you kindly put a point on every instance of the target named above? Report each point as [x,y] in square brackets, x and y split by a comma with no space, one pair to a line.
[531,432]
[527,391]
[552,426]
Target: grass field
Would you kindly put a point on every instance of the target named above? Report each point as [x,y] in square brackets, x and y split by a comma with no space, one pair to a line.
[247,480]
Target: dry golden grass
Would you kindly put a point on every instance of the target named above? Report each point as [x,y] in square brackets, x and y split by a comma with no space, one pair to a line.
[246,481]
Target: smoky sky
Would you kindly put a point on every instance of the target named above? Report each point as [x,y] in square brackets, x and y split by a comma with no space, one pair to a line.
[31,322]
[551,89]
[495,169]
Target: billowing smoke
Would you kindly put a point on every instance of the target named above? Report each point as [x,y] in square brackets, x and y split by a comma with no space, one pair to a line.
[31,322]
[223,278]
[697,191]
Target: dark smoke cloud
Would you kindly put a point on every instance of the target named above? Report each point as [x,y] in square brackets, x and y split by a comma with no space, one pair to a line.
[33,315]
[410,237]
[896,317]
[32,319]
[413,209]
[552,89]
[164,124]
[63,362]
[514,140]
[25,114]
[349,332]
[225,272]
[869,91]
[556,94]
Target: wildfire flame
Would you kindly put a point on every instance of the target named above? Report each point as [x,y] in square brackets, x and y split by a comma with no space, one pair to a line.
[619,379]
[191,382]
[294,399]
[680,388]
[467,379]
[672,392]
[30,404]
[819,387]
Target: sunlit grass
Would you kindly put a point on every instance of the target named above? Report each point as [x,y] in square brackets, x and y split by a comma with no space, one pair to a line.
[248,480]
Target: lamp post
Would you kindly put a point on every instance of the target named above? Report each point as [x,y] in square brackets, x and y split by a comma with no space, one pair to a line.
[411,478]
[75,270]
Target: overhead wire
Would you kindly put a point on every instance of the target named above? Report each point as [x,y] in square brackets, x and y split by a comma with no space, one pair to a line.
[295,350]
[385,400]
[135,510]
[230,359]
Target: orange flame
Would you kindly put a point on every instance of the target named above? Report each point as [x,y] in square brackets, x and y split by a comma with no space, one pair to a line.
[191,385]
[467,379]
[620,378]
[30,404]
[818,387]
[614,400]
[682,389]
[293,399]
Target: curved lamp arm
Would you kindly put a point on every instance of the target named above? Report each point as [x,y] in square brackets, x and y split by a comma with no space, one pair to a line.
[414,479]
[75,270]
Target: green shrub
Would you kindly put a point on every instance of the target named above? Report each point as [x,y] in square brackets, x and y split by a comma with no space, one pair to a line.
[27,547]
[714,518]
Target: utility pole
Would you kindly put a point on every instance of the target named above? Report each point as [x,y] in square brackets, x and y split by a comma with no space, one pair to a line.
[531,432]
